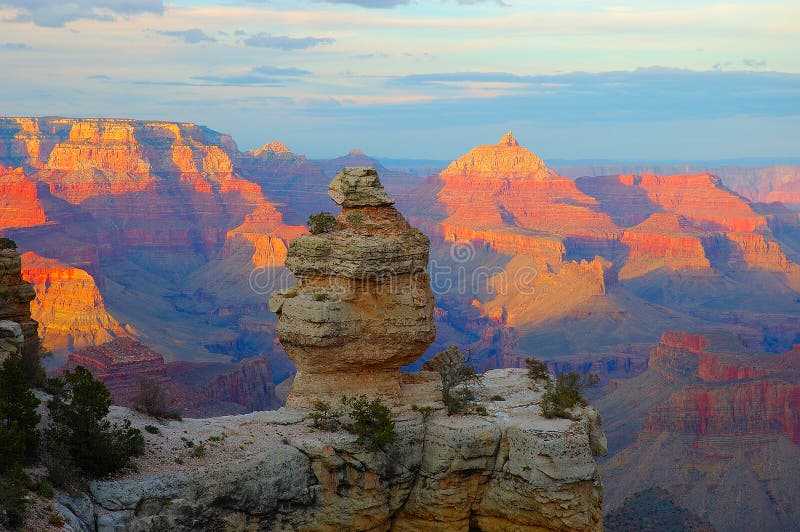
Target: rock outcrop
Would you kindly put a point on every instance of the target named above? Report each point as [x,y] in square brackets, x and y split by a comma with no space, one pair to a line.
[362,307]
[18,330]
[510,469]
[68,305]
[19,201]
[707,425]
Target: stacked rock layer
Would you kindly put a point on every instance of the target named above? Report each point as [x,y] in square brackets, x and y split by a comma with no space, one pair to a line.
[362,307]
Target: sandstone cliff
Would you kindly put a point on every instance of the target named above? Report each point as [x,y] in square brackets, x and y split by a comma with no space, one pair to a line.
[19,201]
[68,305]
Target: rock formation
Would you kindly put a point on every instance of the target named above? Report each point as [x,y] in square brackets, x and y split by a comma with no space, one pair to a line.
[194,389]
[362,307]
[68,305]
[707,424]
[18,331]
[121,364]
[510,469]
[19,201]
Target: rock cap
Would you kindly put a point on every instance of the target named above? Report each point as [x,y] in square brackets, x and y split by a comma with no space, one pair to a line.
[358,187]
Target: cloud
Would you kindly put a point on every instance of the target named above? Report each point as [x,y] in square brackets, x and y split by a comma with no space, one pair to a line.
[263,75]
[191,36]
[14,46]
[284,42]
[101,77]
[371,4]
[56,13]
[388,4]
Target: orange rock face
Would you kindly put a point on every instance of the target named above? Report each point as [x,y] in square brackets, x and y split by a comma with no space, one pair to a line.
[68,305]
[663,240]
[507,185]
[19,202]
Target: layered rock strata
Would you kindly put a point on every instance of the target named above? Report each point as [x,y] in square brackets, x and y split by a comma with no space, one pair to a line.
[18,331]
[68,305]
[508,470]
[362,307]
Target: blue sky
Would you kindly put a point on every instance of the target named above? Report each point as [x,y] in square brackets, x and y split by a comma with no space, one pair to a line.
[423,78]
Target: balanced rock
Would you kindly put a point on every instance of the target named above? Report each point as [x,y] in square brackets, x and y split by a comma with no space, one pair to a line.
[362,307]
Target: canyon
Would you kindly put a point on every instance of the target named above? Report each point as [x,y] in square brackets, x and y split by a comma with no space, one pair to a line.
[167,234]
[707,423]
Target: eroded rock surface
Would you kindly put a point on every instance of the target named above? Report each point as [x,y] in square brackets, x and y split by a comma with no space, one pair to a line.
[18,331]
[362,307]
[508,470]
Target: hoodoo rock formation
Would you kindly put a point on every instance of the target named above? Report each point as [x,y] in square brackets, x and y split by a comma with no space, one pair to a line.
[362,307]
[18,331]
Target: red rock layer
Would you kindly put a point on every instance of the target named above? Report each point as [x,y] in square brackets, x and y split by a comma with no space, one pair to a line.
[724,394]
[68,305]
[19,202]
[663,240]
[702,199]
[121,364]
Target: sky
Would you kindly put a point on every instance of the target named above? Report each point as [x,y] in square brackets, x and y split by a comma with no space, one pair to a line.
[574,79]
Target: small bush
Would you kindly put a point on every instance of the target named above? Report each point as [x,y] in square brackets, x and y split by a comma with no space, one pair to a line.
[481,410]
[151,399]
[7,243]
[187,442]
[81,434]
[458,378]
[565,392]
[152,429]
[320,296]
[322,222]
[45,489]
[371,421]
[324,417]
[537,369]
[497,398]
[198,451]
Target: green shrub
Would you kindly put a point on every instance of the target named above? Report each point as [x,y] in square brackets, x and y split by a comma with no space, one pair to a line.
[497,398]
[322,222]
[371,421]
[152,429]
[565,392]
[320,296]
[537,369]
[198,451]
[324,417]
[19,438]
[13,488]
[45,489]
[7,243]
[80,432]
[426,411]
